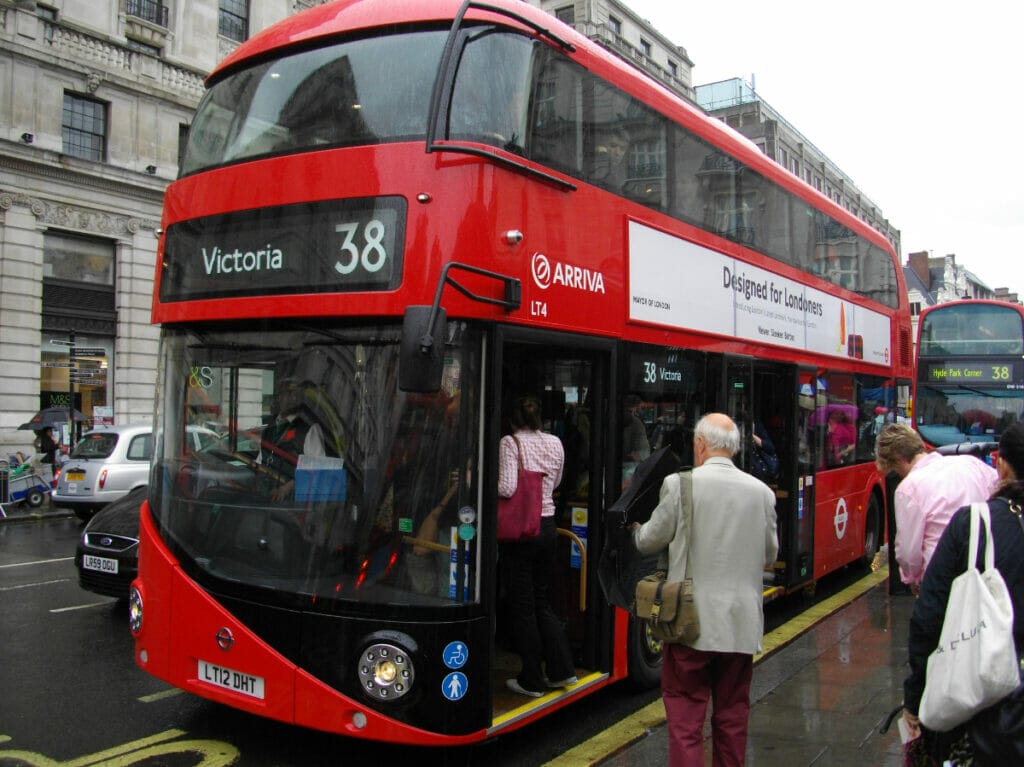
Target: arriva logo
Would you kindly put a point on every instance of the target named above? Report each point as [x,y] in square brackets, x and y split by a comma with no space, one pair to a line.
[545,275]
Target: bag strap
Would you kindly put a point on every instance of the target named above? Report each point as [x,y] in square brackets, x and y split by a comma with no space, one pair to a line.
[686,502]
[686,509]
[980,516]
[656,603]
[519,453]
[686,485]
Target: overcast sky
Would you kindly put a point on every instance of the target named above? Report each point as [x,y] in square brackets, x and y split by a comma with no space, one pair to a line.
[918,102]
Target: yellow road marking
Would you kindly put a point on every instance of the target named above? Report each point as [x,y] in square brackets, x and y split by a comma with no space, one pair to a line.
[212,753]
[161,695]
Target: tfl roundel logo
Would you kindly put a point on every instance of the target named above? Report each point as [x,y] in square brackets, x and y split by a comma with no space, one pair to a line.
[541,271]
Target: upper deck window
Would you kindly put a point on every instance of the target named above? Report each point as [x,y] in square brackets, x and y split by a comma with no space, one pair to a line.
[357,92]
[964,329]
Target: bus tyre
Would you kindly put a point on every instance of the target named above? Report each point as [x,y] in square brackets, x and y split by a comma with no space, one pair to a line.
[644,656]
[872,530]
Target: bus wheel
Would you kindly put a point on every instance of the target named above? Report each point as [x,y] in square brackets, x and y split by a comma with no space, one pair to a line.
[872,530]
[644,656]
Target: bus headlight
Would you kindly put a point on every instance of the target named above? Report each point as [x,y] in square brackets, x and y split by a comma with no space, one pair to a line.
[135,610]
[386,671]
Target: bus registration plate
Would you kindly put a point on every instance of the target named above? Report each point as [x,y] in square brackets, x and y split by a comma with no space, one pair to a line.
[229,679]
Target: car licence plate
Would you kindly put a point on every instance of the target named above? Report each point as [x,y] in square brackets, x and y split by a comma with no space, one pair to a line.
[229,679]
[76,476]
[99,564]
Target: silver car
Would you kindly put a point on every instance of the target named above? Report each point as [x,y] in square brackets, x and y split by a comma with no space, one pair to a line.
[108,463]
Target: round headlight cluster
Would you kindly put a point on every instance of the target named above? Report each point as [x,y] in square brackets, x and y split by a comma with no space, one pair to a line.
[135,610]
[386,671]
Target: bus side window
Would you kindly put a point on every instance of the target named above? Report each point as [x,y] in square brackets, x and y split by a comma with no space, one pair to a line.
[556,113]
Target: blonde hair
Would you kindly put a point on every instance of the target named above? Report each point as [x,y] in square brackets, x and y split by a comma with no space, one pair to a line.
[897,441]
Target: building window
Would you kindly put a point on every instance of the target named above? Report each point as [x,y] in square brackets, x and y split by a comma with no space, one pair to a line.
[673,69]
[615,25]
[796,167]
[783,157]
[233,22]
[84,128]
[78,259]
[566,14]
[46,12]
[183,129]
[915,308]
[645,47]
[148,10]
[78,297]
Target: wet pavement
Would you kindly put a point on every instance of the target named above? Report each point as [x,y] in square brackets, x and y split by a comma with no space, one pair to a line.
[825,685]
[818,700]
[22,512]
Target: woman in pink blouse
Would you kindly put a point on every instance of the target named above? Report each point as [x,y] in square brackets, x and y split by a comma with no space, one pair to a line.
[529,566]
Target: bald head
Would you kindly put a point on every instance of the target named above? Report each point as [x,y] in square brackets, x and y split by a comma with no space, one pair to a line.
[715,435]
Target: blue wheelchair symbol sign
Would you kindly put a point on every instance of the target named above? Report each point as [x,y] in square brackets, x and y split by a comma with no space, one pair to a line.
[455,654]
[454,685]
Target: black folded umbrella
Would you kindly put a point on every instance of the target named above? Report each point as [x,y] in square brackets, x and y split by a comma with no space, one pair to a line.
[621,565]
[51,416]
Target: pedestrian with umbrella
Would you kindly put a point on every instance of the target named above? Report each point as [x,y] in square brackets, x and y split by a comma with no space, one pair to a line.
[45,421]
[47,445]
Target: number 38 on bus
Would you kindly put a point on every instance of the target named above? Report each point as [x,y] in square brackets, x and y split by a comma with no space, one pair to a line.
[393,219]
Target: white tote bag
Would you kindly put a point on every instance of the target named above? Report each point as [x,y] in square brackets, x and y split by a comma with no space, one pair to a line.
[975,663]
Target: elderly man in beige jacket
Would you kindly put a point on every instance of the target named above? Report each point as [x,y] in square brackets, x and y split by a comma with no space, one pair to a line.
[732,541]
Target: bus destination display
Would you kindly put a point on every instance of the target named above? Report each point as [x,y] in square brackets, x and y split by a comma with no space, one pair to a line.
[658,372]
[999,372]
[334,246]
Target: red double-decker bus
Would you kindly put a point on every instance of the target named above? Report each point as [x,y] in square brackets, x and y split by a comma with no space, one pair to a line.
[970,378]
[391,220]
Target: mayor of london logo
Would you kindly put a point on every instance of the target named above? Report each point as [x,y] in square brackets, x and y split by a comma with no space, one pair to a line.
[840,518]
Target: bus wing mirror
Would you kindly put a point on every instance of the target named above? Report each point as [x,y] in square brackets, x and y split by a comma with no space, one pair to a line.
[421,357]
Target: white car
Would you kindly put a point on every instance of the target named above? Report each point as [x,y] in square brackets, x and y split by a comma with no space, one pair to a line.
[107,464]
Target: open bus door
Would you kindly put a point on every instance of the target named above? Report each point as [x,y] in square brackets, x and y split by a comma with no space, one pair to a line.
[571,376]
[762,398]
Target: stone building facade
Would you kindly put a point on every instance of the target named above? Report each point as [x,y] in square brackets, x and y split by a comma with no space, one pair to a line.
[95,99]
